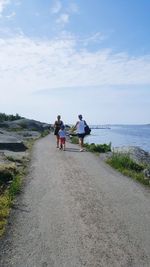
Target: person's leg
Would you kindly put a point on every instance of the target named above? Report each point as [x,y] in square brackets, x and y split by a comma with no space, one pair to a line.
[64,144]
[81,143]
[57,140]
[60,143]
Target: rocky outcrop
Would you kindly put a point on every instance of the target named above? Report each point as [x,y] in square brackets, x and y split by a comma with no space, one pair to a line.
[31,125]
[136,153]
[14,133]
[13,146]
[11,141]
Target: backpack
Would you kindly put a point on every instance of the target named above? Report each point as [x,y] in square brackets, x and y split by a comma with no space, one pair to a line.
[87,129]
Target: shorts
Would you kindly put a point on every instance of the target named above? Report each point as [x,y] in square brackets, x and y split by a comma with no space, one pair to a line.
[62,140]
[81,135]
[56,131]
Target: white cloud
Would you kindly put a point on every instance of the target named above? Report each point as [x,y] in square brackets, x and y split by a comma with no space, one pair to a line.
[95,38]
[57,63]
[73,8]
[63,19]
[63,12]
[57,6]
[12,15]
[28,66]
[3,4]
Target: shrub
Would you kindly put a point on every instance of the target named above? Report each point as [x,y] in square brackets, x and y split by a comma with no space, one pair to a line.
[123,161]
[4,211]
[124,164]
[101,148]
[4,117]
[15,186]
[74,140]
[7,172]
[45,132]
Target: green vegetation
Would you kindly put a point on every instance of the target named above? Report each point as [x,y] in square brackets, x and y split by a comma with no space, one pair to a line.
[128,167]
[11,175]
[4,117]
[10,183]
[74,140]
[100,148]
[45,132]
[5,203]
[7,172]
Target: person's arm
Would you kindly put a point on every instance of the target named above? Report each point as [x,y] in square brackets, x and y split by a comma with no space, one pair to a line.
[75,126]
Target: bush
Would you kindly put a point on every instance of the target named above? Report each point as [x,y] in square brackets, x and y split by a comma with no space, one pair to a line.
[123,161]
[101,148]
[45,133]
[4,117]
[128,167]
[74,140]
[7,172]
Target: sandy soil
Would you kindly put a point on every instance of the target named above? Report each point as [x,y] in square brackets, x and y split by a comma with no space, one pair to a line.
[75,211]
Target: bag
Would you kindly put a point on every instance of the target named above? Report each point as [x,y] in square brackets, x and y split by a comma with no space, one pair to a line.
[87,129]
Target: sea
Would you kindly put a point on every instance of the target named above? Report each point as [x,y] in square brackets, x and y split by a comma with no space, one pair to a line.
[121,135]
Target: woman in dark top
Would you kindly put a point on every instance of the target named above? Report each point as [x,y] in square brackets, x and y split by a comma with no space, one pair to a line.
[57,125]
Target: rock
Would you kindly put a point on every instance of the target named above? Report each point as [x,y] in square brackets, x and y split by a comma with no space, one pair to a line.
[9,141]
[32,125]
[147,173]
[136,153]
[13,146]
[14,133]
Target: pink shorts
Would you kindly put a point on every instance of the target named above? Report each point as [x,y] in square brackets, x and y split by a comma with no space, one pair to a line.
[62,140]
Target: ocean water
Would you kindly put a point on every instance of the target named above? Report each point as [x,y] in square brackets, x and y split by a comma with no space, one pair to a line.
[122,135]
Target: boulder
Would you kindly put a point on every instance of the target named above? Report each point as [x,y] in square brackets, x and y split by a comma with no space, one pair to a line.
[32,125]
[11,142]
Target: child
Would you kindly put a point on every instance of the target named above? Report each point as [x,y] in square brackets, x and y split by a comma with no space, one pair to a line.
[62,137]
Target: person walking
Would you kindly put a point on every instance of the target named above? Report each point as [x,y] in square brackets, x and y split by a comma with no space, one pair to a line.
[62,138]
[80,129]
[57,125]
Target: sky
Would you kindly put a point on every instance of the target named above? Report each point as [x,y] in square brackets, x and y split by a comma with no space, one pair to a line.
[73,57]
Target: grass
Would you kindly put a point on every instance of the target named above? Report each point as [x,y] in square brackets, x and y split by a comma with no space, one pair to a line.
[5,203]
[100,148]
[124,164]
[74,140]
[10,184]
[45,133]
[13,159]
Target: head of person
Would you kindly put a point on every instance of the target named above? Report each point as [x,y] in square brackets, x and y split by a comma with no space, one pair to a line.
[62,127]
[80,117]
[58,117]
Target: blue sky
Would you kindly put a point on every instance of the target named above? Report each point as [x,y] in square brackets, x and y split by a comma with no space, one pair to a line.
[73,57]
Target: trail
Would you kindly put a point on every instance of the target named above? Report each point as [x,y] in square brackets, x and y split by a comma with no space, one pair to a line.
[76,211]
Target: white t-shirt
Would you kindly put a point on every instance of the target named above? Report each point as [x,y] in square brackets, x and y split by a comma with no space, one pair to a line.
[80,127]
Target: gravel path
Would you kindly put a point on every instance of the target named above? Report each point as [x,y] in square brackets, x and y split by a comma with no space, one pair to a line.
[76,211]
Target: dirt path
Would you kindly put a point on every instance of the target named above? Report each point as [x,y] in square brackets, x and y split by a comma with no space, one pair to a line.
[76,211]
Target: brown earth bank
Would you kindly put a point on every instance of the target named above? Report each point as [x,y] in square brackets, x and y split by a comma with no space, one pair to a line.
[74,210]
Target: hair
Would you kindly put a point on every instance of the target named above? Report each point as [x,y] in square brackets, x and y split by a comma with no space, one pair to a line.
[80,116]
